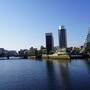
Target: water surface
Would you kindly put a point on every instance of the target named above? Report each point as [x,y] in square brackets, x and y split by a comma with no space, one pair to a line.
[44,75]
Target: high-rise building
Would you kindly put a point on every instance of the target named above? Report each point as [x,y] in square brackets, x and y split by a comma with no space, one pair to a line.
[86,46]
[49,42]
[62,37]
[88,38]
[87,42]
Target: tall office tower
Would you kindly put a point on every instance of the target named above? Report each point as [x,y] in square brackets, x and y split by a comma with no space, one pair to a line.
[49,42]
[62,37]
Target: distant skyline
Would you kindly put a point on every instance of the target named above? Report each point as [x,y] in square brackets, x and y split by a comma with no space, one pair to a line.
[23,23]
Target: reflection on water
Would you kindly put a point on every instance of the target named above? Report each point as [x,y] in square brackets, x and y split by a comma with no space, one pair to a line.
[44,75]
[58,74]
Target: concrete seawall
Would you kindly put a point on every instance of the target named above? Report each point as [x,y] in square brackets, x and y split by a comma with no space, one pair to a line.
[60,57]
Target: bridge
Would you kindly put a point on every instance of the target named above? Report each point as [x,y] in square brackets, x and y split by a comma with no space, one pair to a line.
[9,55]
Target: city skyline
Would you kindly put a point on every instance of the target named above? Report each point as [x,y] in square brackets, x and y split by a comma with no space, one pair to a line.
[23,23]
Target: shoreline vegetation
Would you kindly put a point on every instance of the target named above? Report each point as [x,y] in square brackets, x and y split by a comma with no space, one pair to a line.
[58,54]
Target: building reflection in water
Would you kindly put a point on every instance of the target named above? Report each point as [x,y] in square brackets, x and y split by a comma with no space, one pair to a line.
[87,64]
[58,74]
[64,71]
[51,76]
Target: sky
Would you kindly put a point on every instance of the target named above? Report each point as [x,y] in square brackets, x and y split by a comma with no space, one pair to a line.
[23,23]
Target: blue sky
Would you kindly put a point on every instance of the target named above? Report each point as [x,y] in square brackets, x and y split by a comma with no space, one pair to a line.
[23,23]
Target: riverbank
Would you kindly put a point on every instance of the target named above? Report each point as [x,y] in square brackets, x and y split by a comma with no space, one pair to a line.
[60,57]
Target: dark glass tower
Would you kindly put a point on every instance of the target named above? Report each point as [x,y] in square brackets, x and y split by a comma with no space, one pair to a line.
[62,37]
[49,42]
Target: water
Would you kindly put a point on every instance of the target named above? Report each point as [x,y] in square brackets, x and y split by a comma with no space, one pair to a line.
[44,75]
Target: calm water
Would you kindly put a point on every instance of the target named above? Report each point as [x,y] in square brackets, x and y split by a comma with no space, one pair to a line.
[44,75]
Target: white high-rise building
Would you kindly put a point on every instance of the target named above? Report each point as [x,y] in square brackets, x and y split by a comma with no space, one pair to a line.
[87,42]
[88,37]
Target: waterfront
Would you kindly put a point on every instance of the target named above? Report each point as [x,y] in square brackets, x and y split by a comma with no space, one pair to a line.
[44,75]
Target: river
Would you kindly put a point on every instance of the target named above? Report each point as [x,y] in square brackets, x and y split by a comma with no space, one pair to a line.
[26,74]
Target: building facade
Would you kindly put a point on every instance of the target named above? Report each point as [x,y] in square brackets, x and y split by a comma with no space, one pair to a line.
[62,37]
[86,46]
[49,42]
[88,39]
